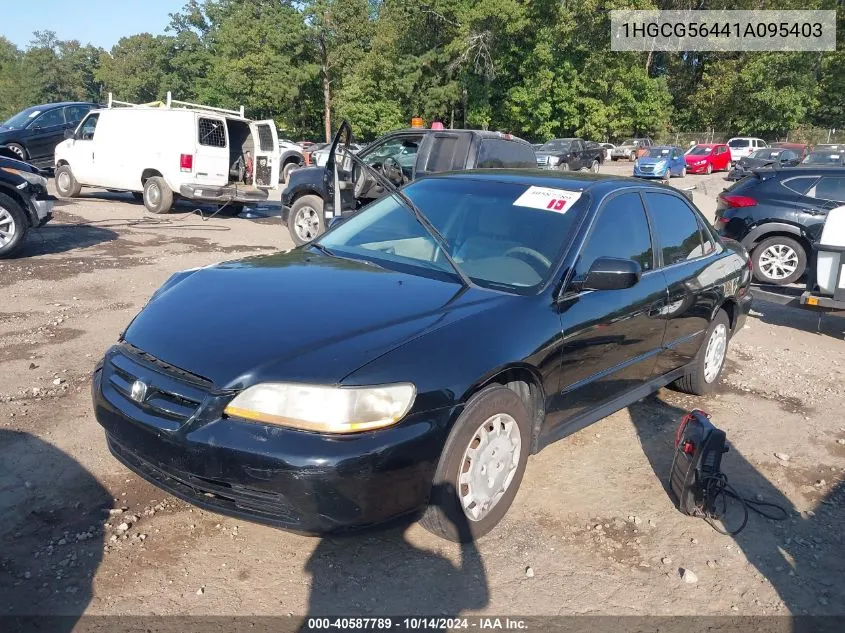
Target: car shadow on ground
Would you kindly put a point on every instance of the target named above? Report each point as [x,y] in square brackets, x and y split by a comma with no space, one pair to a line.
[61,238]
[804,319]
[379,572]
[802,557]
[50,551]
[181,206]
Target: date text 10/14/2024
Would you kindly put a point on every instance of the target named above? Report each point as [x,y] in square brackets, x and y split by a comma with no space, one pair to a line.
[420,623]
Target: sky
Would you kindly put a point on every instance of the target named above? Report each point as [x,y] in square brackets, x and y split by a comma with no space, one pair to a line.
[99,22]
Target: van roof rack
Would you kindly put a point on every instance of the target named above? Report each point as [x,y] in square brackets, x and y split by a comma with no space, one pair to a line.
[170,102]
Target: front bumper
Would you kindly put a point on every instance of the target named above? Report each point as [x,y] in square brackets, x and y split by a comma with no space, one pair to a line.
[641,173]
[305,482]
[39,205]
[738,174]
[223,194]
[696,169]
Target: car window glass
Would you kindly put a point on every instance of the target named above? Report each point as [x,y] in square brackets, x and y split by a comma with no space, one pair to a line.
[739,142]
[620,230]
[500,153]
[404,150]
[50,118]
[496,242]
[212,132]
[74,114]
[800,185]
[86,130]
[829,188]
[788,155]
[707,241]
[676,228]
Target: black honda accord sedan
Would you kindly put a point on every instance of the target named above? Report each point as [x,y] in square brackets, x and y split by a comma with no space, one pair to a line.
[411,358]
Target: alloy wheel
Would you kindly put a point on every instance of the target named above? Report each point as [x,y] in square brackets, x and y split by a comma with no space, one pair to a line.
[17,151]
[714,355]
[153,195]
[7,227]
[778,261]
[489,465]
[307,224]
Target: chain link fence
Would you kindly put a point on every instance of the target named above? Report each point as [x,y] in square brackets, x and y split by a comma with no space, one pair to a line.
[810,135]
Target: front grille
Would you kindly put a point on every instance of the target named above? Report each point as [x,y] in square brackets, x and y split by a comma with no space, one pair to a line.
[646,169]
[260,505]
[542,161]
[172,396]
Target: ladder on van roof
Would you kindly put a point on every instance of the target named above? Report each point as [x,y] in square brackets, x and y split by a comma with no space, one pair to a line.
[171,102]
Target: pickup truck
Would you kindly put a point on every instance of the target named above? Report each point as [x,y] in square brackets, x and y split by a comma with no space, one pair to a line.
[572,154]
[401,156]
[631,148]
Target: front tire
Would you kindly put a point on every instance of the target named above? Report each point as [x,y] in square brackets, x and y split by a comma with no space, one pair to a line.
[633,156]
[286,171]
[481,466]
[594,167]
[778,260]
[564,166]
[158,197]
[306,221]
[703,376]
[684,172]
[709,169]
[17,150]
[13,226]
[66,185]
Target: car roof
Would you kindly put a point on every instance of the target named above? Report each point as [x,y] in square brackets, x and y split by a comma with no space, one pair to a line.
[59,104]
[665,147]
[572,181]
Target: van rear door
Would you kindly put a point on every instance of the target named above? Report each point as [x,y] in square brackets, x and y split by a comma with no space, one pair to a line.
[267,154]
[210,162]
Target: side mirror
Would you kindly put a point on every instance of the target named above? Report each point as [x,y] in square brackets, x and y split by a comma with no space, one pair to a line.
[688,193]
[612,273]
[69,134]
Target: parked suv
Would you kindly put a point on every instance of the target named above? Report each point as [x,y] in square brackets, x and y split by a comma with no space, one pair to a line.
[631,149]
[742,146]
[572,154]
[777,214]
[32,134]
[401,156]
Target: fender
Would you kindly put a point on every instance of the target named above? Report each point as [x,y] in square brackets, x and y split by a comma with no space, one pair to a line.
[292,155]
[760,232]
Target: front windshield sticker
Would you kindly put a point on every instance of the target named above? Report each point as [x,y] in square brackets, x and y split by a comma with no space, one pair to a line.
[32,115]
[548,199]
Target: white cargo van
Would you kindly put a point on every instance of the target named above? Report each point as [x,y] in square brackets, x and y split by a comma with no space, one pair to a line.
[172,149]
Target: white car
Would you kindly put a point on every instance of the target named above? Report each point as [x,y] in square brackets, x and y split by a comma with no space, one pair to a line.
[321,156]
[742,146]
[608,149]
[158,151]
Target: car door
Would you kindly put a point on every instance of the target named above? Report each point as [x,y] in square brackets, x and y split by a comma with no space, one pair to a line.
[576,155]
[611,338]
[212,156]
[45,132]
[266,172]
[82,151]
[691,272]
[827,193]
[404,150]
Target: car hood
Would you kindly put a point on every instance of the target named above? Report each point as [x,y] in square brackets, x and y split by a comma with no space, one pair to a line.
[16,164]
[555,154]
[689,158]
[649,160]
[755,163]
[299,316]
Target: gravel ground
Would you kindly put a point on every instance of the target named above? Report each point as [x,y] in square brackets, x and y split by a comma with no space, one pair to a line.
[592,530]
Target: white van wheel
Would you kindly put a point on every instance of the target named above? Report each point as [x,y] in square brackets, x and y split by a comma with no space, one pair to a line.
[158,197]
[66,184]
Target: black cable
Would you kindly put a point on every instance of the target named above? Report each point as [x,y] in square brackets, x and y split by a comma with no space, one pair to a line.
[716,487]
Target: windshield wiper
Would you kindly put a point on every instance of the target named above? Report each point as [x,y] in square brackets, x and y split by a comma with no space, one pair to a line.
[322,249]
[419,216]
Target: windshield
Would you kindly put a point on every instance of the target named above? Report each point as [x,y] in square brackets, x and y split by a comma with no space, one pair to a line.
[557,145]
[659,152]
[823,158]
[500,234]
[700,150]
[21,119]
[766,154]
[739,142]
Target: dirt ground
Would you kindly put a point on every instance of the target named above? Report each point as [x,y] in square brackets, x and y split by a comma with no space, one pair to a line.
[592,530]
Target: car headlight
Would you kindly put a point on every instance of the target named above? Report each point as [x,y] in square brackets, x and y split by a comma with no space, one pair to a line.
[660,164]
[553,160]
[33,179]
[323,408]
[700,162]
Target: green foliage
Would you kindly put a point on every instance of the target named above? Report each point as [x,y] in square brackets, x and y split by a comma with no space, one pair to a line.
[537,69]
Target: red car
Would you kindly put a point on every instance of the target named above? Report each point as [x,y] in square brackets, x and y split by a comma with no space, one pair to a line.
[707,158]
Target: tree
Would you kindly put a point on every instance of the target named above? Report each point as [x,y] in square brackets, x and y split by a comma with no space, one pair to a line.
[136,67]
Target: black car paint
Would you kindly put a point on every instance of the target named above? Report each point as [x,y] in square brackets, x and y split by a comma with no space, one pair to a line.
[22,191]
[311,180]
[579,155]
[39,143]
[779,210]
[584,354]
[747,164]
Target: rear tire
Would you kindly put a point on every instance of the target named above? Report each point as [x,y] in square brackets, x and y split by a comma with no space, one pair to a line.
[158,197]
[13,226]
[594,167]
[492,413]
[773,260]
[66,185]
[705,371]
[306,221]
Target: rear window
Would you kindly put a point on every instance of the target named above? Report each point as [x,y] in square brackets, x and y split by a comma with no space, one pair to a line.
[801,184]
[265,138]
[442,155]
[212,132]
[739,142]
[501,153]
